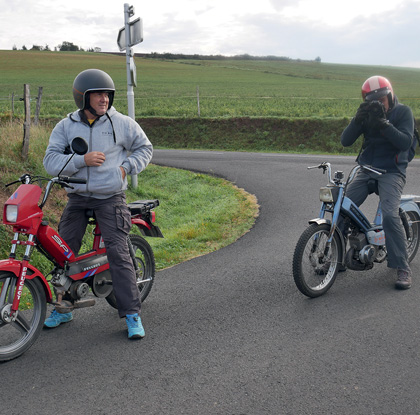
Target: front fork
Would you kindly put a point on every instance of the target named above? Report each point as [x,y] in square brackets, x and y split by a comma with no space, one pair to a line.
[335,217]
[22,273]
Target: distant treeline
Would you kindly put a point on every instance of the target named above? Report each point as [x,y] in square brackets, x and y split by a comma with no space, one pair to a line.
[168,55]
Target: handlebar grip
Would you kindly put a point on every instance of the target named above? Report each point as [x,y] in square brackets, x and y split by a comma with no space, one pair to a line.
[68,179]
[77,180]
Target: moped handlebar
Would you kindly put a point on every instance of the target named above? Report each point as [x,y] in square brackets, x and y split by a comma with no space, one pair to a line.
[68,179]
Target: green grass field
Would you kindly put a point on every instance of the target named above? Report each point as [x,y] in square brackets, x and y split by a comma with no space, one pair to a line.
[227,88]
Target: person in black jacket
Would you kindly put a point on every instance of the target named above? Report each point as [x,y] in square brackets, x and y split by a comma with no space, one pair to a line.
[387,127]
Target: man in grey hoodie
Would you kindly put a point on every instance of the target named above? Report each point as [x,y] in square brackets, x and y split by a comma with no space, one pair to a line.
[117,147]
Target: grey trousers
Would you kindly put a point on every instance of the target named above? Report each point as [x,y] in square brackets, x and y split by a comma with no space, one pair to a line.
[390,186]
[114,220]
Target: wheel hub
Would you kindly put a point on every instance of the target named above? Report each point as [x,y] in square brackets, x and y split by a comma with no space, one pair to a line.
[7,315]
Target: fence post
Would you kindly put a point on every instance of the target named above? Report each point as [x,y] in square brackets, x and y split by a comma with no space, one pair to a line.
[198,100]
[13,105]
[38,106]
[27,122]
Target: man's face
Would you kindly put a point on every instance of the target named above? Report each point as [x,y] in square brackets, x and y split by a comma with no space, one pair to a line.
[99,101]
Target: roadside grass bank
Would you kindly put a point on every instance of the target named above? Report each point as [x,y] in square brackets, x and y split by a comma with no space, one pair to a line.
[288,135]
[198,214]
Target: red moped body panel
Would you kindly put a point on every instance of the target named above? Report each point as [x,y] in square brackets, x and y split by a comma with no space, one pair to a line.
[14,266]
[54,244]
[29,214]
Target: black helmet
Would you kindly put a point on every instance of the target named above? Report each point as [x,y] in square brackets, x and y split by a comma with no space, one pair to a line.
[92,80]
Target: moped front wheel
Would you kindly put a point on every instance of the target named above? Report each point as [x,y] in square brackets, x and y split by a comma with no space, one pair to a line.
[17,336]
[315,265]
[146,268]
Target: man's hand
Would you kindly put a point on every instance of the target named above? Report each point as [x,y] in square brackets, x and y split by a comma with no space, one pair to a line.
[123,173]
[362,113]
[94,158]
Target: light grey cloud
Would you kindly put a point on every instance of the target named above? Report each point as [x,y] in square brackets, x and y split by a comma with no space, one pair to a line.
[378,33]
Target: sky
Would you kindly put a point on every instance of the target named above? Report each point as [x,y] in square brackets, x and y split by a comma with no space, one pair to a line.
[367,32]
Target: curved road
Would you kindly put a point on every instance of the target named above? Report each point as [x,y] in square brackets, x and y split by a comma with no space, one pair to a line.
[229,333]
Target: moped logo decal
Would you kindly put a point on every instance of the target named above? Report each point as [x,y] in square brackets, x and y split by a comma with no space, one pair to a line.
[62,245]
[21,283]
[14,196]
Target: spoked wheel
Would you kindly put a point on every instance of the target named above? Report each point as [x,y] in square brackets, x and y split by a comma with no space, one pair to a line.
[146,268]
[413,239]
[314,266]
[17,336]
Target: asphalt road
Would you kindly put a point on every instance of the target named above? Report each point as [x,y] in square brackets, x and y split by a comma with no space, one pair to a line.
[229,333]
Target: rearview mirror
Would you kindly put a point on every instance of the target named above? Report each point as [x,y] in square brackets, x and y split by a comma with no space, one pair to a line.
[79,146]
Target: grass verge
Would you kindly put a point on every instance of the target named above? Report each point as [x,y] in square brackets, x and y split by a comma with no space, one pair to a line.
[198,213]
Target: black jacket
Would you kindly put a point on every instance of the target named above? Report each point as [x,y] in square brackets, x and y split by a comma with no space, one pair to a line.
[388,148]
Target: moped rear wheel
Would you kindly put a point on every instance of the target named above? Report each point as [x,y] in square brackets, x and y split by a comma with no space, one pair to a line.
[146,263]
[315,267]
[18,336]
[413,239]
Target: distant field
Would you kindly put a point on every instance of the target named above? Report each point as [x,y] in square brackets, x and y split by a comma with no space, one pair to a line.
[226,88]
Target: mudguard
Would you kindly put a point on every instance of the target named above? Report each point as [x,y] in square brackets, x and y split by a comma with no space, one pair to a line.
[147,228]
[13,266]
[409,205]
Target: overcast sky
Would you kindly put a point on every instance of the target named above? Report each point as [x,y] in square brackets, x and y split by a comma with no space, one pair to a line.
[382,32]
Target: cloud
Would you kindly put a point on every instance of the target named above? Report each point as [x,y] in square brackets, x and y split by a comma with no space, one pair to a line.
[370,32]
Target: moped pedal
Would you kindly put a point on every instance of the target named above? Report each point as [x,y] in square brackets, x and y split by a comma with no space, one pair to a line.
[88,302]
[64,306]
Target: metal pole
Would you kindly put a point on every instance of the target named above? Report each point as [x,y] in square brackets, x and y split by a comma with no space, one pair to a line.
[130,87]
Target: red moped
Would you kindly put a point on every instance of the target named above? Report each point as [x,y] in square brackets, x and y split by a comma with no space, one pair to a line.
[75,279]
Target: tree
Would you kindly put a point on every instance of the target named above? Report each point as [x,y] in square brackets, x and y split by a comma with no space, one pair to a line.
[68,46]
[317,59]
[24,47]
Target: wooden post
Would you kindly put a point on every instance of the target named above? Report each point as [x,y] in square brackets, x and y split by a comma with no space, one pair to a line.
[13,105]
[38,105]
[27,122]
[198,100]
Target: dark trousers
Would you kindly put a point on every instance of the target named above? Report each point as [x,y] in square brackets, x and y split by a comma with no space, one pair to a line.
[390,186]
[114,220]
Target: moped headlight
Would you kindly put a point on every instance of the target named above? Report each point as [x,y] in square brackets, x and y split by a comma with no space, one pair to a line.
[11,213]
[326,195]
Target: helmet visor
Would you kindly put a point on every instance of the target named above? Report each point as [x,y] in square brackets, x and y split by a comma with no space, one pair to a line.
[377,94]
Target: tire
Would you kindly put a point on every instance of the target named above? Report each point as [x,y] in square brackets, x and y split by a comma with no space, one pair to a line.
[17,337]
[311,272]
[413,240]
[146,263]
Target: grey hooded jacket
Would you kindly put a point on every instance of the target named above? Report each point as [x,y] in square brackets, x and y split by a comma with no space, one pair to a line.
[118,136]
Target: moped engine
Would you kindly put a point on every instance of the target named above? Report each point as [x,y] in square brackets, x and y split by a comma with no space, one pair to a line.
[360,255]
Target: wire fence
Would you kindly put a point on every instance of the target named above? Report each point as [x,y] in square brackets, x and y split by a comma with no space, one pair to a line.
[204,105]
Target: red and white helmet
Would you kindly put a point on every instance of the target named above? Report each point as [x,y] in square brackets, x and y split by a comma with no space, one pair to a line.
[377,87]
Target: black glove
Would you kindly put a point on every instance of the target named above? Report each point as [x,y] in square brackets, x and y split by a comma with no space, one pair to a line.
[377,116]
[362,113]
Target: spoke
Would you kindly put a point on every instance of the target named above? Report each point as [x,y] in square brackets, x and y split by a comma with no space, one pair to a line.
[12,287]
[4,291]
[22,324]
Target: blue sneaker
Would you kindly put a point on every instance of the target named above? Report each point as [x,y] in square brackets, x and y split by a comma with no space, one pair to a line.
[56,318]
[135,328]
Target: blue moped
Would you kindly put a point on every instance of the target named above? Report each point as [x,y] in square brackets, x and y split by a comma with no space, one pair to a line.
[322,249]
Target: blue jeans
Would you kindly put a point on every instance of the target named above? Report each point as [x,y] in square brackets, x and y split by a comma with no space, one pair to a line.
[114,219]
[390,186]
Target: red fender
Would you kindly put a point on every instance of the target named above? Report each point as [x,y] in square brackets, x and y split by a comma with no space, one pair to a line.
[13,266]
